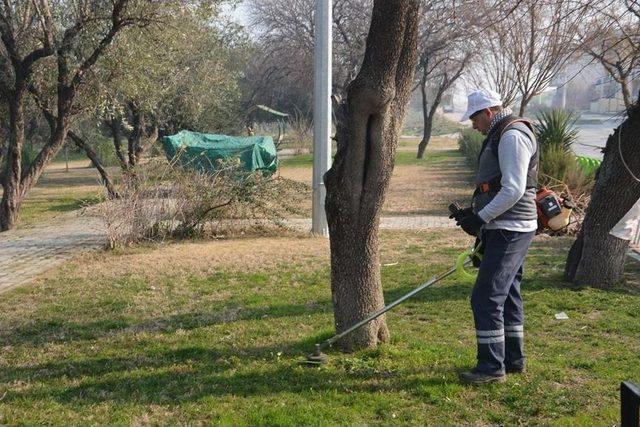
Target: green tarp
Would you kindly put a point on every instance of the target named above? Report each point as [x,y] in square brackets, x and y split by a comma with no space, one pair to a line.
[202,151]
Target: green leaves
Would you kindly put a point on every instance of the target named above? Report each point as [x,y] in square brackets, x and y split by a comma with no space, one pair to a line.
[556,128]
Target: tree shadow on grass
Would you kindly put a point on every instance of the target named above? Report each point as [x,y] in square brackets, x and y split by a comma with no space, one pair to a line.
[189,374]
[46,331]
[63,330]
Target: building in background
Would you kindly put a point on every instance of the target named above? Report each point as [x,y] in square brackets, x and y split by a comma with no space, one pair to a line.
[607,94]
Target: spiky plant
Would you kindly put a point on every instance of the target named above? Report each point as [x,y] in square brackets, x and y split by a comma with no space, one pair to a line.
[557,128]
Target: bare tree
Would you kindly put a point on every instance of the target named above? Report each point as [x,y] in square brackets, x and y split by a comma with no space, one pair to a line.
[526,49]
[492,69]
[282,70]
[368,127]
[612,37]
[542,44]
[445,52]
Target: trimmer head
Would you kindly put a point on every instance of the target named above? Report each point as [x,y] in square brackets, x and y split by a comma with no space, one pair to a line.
[317,357]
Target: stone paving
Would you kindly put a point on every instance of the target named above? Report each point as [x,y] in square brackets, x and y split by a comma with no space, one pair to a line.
[392,222]
[29,252]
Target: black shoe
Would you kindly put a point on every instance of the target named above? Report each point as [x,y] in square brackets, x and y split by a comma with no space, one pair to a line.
[514,369]
[478,378]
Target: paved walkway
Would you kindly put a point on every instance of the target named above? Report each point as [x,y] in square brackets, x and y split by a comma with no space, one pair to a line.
[391,222]
[29,252]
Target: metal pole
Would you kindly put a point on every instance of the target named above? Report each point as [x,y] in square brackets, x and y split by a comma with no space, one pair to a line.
[321,113]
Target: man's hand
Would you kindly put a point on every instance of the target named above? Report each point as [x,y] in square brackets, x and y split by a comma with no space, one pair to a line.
[469,221]
[461,213]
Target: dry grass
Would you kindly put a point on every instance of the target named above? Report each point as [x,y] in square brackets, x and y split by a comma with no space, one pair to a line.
[437,143]
[417,189]
[202,258]
[206,257]
[420,190]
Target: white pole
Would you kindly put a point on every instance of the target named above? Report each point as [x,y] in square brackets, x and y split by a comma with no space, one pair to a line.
[321,113]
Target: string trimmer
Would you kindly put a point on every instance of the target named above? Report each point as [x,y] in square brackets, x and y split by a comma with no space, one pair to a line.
[464,260]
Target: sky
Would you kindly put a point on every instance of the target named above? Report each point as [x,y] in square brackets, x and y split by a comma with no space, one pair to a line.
[238,13]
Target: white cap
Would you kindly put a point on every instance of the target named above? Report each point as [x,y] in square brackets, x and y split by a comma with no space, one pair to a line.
[479,100]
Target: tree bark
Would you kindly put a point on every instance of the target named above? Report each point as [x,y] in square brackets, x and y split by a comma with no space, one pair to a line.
[368,125]
[53,122]
[523,106]
[425,116]
[626,93]
[597,258]
[136,136]
[11,195]
[95,160]
[114,124]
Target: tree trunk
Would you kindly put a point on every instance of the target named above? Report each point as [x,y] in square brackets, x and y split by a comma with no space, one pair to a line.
[429,115]
[114,124]
[368,126]
[626,94]
[95,160]
[12,191]
[136,136]
[425,116]
[523,106]
[597,258]
[148,140]
[57,138]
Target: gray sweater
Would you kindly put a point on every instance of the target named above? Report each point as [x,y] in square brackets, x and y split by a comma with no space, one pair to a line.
[514,153]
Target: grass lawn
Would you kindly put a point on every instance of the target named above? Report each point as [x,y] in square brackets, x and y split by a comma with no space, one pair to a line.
[212,332]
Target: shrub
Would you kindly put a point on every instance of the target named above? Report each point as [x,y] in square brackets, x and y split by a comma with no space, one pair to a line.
[164,201]
[556,132]
[470,143]
[556,128]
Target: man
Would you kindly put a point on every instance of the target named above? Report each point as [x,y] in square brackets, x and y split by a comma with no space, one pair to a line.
[503,216]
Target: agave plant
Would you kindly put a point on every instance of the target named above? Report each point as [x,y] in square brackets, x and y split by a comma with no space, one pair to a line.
[557,128]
